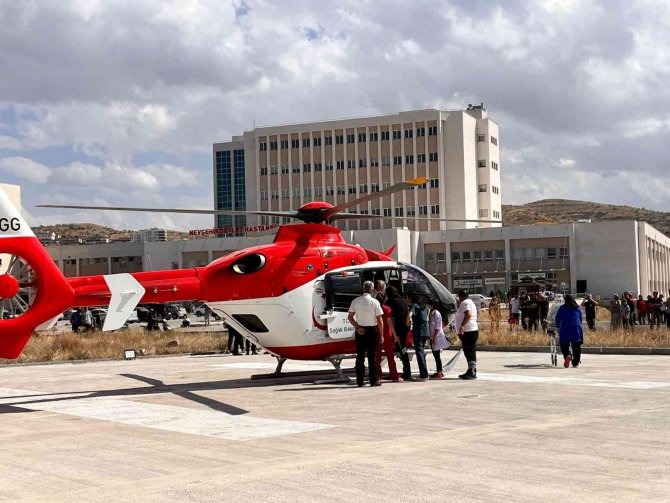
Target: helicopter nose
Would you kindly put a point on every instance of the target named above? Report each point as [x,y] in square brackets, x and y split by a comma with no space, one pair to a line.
[9,286]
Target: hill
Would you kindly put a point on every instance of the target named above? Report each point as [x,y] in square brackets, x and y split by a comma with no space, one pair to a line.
[566,210]
[93,233]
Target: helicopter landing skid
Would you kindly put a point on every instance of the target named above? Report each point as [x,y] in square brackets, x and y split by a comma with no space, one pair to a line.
[335,360]
[340,378]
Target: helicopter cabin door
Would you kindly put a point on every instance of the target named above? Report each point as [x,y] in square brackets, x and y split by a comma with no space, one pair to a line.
[341,289]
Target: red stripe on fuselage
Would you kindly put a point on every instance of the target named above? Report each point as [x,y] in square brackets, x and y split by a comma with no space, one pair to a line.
[315,351]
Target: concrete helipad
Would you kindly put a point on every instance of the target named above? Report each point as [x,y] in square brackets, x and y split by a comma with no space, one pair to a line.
[198,429]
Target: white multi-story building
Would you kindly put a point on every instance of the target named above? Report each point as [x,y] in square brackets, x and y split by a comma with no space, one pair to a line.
[284,167]
[152,235]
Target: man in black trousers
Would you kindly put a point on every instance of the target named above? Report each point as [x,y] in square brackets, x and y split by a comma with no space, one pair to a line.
[400,319]
[366,316]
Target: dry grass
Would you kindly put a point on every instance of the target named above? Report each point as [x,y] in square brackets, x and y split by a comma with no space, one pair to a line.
[69,346]
[617,339]
[97,345]
[643,338]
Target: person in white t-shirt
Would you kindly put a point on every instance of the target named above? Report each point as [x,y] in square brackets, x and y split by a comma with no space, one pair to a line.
[438,341]
[365,315]
[515,311]
[468,332]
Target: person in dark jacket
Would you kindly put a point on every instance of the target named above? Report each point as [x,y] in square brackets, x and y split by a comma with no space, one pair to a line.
[590,306]
[569,324]
[400,319]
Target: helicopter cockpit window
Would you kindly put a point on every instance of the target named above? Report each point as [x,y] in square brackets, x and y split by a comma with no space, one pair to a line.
[249,263]
[415,282]
[419,281]
[343,288]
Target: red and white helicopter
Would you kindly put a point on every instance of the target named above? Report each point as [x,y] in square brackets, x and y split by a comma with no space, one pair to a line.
[290,297]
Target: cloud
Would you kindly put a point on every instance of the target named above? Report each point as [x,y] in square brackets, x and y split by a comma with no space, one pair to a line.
[76,174]
[173,176]
[577,87]
[25,169]
[9,143]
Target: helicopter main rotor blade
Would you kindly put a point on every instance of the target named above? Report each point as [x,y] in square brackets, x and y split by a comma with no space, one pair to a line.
[283,214]
[360,216]
[330,213]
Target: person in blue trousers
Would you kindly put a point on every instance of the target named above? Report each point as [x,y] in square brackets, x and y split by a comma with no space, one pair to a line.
[569,323]
[420,314]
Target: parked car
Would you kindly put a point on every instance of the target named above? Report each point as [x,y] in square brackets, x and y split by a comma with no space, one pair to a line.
[175,311]
[133,318]
[200,311]
[481,301]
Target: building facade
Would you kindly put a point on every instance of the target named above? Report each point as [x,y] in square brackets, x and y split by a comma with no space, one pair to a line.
[281,168]
[149,235]
[600,257]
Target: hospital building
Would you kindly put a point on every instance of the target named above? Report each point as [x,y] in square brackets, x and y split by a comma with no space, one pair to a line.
[280,168]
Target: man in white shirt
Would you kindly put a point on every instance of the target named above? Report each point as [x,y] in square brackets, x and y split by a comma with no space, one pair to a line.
[468,332]
[366,316]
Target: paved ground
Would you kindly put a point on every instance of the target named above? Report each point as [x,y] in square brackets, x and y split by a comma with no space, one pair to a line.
[197,429]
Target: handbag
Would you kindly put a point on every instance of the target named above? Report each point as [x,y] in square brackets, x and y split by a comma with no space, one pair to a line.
[410,338]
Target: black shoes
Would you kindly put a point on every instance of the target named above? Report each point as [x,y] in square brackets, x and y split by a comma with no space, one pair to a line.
[469,375]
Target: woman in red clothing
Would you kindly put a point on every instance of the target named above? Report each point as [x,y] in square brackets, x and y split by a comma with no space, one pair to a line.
[388,345]
[642,310]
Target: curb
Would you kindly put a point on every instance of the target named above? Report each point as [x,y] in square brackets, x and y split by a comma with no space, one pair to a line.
[598,350]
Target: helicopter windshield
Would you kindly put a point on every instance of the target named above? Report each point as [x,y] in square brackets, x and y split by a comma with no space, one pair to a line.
[344,286]
[423,279]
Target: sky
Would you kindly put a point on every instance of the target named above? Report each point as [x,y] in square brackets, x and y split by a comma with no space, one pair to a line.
[119,102]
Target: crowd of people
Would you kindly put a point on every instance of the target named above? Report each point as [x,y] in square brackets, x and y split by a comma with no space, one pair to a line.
[529,310]
[84,318]
[386,322]
[627,311]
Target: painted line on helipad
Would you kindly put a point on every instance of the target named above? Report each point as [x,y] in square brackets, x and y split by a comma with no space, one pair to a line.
[173,418]
[572,381]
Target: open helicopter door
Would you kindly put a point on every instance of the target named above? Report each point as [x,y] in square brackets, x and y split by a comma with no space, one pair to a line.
[341,289]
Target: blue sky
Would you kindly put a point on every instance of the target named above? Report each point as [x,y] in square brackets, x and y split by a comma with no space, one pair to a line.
[116,102]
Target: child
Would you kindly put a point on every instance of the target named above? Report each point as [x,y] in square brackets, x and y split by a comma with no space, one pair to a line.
[438,341]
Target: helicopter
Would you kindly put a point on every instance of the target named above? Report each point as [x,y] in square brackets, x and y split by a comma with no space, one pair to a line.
[290,297]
